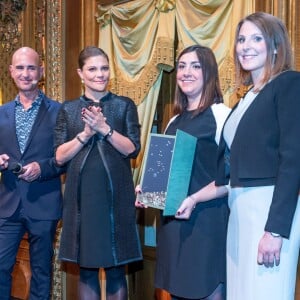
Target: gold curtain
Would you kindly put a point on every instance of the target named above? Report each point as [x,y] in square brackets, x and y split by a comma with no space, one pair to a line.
[212,24]
[208,24]
[139,37]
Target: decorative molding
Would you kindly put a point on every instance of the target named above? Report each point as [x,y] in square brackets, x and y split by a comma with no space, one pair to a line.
[10,39]
[54,48]
[10,15]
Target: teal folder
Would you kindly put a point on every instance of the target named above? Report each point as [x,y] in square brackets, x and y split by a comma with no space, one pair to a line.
[167,171]
[180,172]
[155,173]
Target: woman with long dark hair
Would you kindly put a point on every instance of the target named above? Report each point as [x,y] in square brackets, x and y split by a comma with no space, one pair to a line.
[191,253]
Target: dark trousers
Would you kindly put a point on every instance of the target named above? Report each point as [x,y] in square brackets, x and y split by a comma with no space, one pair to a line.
[40,237]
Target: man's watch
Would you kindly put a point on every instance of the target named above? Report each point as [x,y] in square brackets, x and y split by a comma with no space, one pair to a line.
[275,234]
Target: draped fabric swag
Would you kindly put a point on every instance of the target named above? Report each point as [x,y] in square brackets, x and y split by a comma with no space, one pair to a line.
[139,37]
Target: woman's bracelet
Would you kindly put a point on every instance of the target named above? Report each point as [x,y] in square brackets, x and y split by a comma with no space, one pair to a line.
[110,132]
[194,201]
[80,140]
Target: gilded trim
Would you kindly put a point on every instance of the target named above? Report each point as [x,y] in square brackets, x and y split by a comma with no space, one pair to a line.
[54,59]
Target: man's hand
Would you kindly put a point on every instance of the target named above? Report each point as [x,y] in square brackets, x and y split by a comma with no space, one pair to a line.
[4,161]
[32,172]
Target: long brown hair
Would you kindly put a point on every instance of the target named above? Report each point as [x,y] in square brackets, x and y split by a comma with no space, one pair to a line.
[279,51]
[211,92]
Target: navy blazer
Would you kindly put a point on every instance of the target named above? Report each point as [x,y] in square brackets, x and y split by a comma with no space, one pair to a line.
[41,199]
[266,148]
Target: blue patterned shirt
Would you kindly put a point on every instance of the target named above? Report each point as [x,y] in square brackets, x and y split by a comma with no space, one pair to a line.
[25,119]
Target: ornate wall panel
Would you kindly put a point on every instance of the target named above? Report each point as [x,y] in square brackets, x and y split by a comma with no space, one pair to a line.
[54,47]
[10,39]
[37,24]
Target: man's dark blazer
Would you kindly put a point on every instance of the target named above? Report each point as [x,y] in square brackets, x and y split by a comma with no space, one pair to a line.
[41,199]
[266,149]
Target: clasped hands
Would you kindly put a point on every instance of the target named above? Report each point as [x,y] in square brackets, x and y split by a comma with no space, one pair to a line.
[95,120]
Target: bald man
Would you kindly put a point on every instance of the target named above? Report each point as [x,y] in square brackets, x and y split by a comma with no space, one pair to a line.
[30,187]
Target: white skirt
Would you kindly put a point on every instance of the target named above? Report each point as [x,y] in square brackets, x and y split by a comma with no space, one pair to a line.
[246,280]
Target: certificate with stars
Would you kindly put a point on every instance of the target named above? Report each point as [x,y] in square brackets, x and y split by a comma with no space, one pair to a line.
[167,170]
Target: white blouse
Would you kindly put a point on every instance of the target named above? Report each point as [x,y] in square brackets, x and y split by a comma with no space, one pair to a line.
[232,123]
